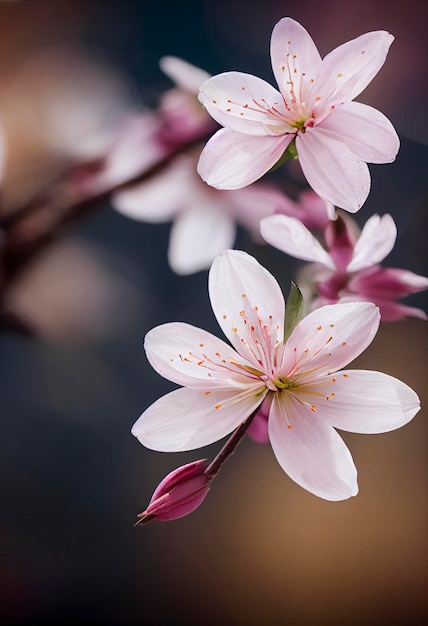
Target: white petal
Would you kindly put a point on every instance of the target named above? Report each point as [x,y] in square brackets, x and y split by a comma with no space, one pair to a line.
[190,356]
[376,241]
[250,204]
[329,338]
[183,74]
[291,236]
[186,419]
[366,131]
[348,69]
[311,452]
[248,304]
[292,48]
[361,401]
[332,169]
[162,196]
[232,160]
[199,235]
[240,101]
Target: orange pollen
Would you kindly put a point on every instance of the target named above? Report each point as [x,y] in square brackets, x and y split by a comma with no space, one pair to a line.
[217,406]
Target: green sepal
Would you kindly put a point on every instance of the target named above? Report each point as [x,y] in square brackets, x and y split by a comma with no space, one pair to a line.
[294,310]
[290,153]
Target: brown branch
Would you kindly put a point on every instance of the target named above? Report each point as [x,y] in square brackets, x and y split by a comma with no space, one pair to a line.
[53,213]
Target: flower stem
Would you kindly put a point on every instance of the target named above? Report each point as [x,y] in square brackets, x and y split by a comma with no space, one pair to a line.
[228,449]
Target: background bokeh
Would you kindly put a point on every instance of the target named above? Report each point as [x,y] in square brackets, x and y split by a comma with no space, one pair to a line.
[260,550]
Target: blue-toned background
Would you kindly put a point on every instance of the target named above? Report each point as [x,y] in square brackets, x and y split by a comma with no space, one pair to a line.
[260,550]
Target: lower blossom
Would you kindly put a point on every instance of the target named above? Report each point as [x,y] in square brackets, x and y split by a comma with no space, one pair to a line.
[299,381]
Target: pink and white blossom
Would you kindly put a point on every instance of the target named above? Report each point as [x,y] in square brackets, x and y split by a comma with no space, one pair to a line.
[335,137]
[348,267]
[223,384]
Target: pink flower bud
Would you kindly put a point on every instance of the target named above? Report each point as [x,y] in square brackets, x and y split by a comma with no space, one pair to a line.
[179,493]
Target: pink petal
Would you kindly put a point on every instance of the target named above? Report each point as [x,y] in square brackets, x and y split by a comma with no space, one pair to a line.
[366,131]
[231,160]
[248,304]
[313,211]
[387,282]
[361,401]
[186,419]
[292,48]
[183,74]
[250,204]
[390,310]
[190,356]
[348,69]
[258,429]
[198,235]
[329,338]
[240,101]
[310,451]
[340,236]
[162,196]
[395,311]
[332,169]
[376,241]
[292,237]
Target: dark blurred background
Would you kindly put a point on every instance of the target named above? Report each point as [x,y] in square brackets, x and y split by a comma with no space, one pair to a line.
[260,550]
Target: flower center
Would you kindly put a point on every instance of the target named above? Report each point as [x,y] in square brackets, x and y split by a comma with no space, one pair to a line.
[284,383]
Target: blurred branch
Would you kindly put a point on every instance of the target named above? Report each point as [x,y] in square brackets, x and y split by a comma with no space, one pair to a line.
[52,214]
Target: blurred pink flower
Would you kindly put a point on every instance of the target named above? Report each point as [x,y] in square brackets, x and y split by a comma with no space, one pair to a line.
[144,139]
[179,493]
[183,117]
[310,209]
[137,148]
[334,136]
[204,219]
[224,385]
[349,269]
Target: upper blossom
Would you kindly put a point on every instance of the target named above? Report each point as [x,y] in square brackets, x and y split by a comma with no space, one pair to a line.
[334,136]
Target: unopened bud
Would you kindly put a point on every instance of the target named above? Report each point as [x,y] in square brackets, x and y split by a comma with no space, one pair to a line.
[179,493]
